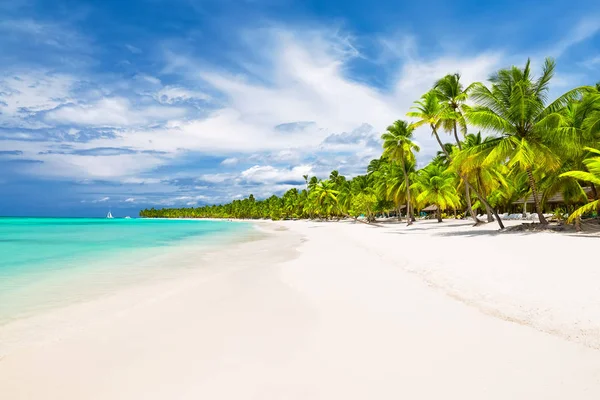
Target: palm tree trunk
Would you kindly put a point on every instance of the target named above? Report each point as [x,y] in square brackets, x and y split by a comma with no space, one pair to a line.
[479,196]
[469,206]
[487,209]
[467,191]
[536,201]
[408,213]
[594,191]
[456,137]
[439,214]
[398,211]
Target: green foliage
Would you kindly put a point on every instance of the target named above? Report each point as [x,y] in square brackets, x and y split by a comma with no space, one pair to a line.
[363,204]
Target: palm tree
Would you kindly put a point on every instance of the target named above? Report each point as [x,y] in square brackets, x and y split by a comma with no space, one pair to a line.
[593,176]
[430,111]
[469,162]
[363,195]
[398,146]
[436,186]
[579,128]
[515,107]
[450,91]
[453,95]
[326,196]
[312,183]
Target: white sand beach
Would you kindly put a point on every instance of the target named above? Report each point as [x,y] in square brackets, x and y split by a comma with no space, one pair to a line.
[333,310]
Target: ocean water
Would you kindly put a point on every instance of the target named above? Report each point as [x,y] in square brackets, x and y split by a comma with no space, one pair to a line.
[52,262]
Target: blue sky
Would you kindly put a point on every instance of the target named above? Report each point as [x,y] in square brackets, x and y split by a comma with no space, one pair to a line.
[126,105]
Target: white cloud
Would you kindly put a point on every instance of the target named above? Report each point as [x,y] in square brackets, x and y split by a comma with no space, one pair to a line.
[216,178]
[102,200]
[148,78]
[23,95]
[130,200]
[270,174]
[174,94]
[44,33]
[230,162]
[308,82]
[113,112]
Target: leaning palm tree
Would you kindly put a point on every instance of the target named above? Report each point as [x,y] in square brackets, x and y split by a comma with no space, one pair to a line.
[593,176]
[485,177]
[430,111]
[398,146]
[515,108]
[436,186]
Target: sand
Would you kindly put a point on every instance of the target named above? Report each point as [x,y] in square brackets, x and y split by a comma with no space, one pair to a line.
[333,311]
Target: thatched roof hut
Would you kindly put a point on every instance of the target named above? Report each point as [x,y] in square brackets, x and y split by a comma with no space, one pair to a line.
[430,208]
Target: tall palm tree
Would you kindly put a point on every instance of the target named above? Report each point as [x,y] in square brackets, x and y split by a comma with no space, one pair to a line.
[515,108]
[398,146]
[453,95]
[450,91]
[436,186]
[430,111]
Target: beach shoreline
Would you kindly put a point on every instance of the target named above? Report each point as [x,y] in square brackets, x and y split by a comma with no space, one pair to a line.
[319,310]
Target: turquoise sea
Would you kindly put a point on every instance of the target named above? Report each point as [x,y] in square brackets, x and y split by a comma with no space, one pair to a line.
[51,262]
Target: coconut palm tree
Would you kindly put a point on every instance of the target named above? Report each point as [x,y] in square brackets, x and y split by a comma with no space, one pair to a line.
[485,177]
[515,108]
[430,111]
[450,91]
[579,128]
[398,146]
[325,196]
[592,175]
[453,95]
[436,186]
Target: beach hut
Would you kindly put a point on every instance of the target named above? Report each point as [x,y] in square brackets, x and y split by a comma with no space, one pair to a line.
[429,211]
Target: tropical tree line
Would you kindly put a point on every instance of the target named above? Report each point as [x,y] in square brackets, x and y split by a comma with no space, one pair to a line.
[499,142]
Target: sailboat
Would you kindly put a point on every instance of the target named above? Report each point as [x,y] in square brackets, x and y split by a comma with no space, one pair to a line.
[109,215]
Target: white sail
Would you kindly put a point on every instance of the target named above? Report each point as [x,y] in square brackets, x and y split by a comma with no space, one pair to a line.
[109,215]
